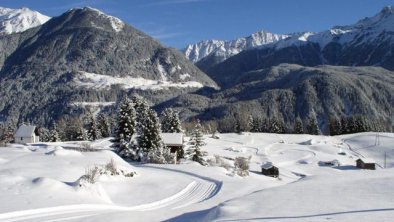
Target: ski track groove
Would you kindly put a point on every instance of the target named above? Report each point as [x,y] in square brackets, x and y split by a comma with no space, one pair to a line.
[197,191]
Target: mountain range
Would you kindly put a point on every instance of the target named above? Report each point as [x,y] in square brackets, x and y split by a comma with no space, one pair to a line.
[84,61]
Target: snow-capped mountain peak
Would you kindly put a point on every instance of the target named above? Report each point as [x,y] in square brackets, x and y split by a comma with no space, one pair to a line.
[225,49]
[19,20]
[116,23]
[366,29]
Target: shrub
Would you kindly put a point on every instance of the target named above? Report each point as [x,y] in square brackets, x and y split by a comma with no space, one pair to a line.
[219,161]
[111,168]
[91,174]
[86,147]
[241,165]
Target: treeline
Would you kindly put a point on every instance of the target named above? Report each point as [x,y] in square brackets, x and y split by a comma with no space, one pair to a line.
[310,125]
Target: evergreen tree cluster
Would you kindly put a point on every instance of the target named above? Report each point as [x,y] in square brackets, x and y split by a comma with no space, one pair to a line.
[355,124]
[138,132]
[170,122]
[276,125]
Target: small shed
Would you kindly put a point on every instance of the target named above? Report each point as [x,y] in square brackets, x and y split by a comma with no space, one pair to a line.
[365,164]
[26,134]
[268,169]
[174,141]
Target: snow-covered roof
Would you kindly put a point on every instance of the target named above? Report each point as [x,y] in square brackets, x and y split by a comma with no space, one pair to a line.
[172,138]
[367,160]
[267,165]
[25,131]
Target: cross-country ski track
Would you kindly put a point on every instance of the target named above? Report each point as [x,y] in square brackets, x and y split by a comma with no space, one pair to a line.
[199,190]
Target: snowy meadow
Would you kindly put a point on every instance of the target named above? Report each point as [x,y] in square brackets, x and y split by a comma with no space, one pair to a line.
[50,181]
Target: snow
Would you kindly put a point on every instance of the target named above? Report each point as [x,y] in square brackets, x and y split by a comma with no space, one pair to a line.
[93,104]
[19,20]
[184,76]
[368,29]
[116,23]
[25,131]
[226,49]
[172,138]
[36,185]
[97,81]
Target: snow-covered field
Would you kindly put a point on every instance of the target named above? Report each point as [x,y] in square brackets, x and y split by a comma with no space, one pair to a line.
[41,182]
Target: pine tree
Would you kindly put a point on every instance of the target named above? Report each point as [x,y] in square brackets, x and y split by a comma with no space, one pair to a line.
[81,134]
[170,121]
[335,126]
[237,127]
[44,134]
[194,152]
[298,126]
[103,125]
[54,135]
[93,132]
[250,124]
[257,125]
[8,135]
[126,126]
[276,126]
[344,125]
[313,127]
[150,143]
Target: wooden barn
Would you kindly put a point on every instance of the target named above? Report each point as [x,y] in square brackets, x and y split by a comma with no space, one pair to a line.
[365,164]
[26,134]
[174,141]
[268,169]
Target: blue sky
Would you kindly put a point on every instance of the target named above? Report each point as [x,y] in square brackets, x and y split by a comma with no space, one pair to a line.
[178,22]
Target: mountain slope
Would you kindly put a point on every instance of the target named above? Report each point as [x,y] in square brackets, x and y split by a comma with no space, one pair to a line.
[369,42]
[67,59]
[287,91]
[19,20]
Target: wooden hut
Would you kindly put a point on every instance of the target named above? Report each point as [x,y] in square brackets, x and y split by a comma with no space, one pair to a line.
[365,164]
[268,169]
[174,141]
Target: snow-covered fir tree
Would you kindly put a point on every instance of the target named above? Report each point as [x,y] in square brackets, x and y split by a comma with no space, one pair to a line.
[8,136]
[170,122]
[276,126]
[103,125]
[54,135]
[257,125]
[250,124]
[81,134]
[313,127]
[335,126]
[93,132]
[150,143]
[44,134]
[194,152]
[298,126]
[126,126]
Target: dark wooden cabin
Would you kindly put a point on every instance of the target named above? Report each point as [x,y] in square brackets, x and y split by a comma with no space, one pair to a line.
[270,170]
[363,165]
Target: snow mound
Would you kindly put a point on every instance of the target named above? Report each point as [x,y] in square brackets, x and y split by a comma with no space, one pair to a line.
[60,151]
[310,142]
[2,160]
[236,150]
[81,186]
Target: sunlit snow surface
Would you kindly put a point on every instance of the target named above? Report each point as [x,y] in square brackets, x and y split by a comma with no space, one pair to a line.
[38,182]
[19,20]
[97,81]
